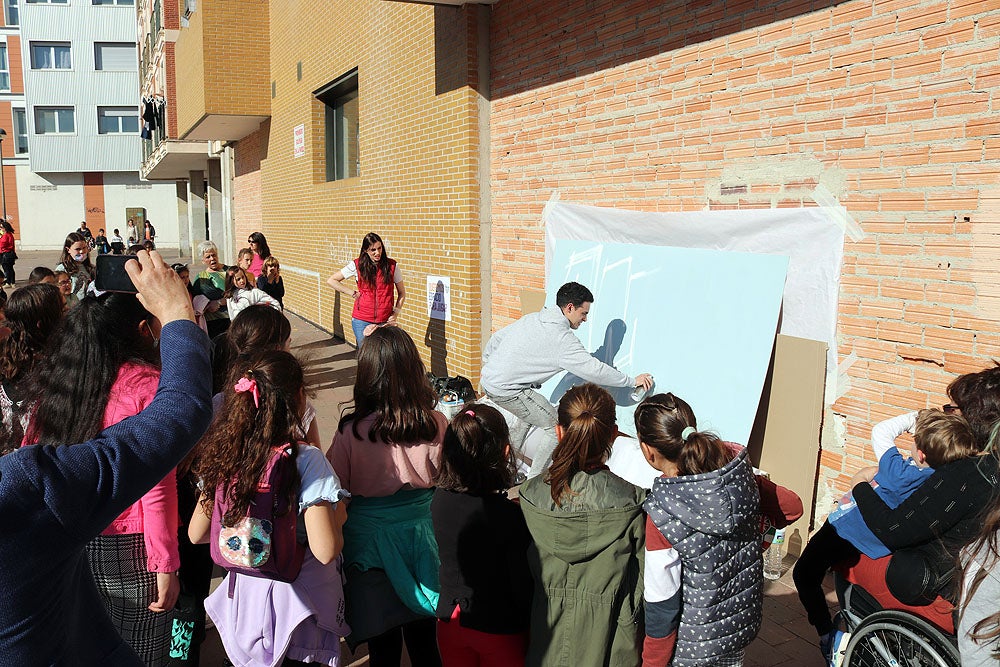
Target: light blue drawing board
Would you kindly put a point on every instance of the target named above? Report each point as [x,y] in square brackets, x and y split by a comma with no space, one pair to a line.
[702,322]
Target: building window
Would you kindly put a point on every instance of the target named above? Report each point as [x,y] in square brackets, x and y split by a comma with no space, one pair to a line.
[51,55]
[117,120]
[4,68]
[47,2]
[129,3]
[54,120]
[341,121]
[115,56]
[20,131]
[10,12]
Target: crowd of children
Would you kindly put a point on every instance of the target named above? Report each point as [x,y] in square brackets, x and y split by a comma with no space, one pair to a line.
[412,529]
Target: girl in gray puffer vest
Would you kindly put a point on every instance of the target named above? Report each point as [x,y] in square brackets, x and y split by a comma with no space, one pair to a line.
[703,576]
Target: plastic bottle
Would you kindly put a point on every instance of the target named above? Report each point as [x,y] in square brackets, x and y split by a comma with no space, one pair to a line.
[639,393]
[774,555]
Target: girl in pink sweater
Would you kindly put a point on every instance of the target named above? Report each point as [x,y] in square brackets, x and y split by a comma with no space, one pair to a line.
[102,368]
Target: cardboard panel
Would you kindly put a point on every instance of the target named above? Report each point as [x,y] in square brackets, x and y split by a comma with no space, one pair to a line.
[789,450]
[532,300]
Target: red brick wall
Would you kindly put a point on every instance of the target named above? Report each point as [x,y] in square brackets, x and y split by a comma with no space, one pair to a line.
[656,105]
[248,215]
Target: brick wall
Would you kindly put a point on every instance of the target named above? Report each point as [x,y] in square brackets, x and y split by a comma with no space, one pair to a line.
[223,62]
[662,105]
[248,215]
[419,147]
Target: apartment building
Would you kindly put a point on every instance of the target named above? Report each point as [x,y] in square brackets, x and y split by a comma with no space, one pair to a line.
[197,169]
[447,128]
[68,97]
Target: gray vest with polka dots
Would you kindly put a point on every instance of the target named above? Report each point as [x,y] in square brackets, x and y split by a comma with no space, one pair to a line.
[713,521]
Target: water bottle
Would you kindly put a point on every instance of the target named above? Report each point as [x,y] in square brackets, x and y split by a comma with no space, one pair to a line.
[774,555]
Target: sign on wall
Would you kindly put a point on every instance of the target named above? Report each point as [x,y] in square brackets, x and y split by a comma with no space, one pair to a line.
[439,298]
[299,140]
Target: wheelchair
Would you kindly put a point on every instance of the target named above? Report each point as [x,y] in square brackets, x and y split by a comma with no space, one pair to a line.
[887,633]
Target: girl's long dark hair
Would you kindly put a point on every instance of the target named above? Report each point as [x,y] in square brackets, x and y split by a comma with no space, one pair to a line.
[476,457]
[986,548]
[367,269]
[234,452]
[587,416]
[660,421]
[72,266]
[70,386]
[231,274]
[392,385]
[263,250]
[33,312]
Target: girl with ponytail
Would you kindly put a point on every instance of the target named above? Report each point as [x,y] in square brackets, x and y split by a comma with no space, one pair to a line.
[586,523]
[704,579]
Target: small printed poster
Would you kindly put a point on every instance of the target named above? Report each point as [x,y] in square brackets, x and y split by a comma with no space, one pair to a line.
[299,140]
[439,298]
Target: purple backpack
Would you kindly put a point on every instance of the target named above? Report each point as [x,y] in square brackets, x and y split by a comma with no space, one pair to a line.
[263,543]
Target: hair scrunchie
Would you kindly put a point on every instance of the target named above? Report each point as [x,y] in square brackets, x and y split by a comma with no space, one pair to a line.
[687,433]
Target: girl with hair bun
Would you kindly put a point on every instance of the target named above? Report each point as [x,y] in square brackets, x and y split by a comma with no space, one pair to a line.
[587,527]
[704,576]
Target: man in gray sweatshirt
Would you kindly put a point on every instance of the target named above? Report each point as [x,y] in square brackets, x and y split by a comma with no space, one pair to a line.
[522,356]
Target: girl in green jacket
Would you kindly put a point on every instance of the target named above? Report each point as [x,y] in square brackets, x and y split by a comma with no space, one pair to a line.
[586,559]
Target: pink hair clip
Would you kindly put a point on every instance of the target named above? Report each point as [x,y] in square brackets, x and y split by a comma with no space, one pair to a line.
[248,384]
[470,413]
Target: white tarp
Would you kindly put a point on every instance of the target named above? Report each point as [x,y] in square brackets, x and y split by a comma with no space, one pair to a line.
[811,238]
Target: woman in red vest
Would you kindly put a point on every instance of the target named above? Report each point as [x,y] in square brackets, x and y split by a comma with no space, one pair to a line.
[377,277]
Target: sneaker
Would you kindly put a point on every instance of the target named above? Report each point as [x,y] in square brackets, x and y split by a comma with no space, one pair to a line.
[833,647]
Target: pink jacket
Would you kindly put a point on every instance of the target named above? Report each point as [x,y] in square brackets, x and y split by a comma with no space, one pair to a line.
[155,514]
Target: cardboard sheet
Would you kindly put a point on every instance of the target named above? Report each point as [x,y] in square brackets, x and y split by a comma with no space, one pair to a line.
[702,322]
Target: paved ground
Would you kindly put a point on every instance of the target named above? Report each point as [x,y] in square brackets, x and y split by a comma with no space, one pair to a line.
[785,639]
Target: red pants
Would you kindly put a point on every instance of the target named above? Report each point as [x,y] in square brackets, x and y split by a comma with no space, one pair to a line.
[464,647]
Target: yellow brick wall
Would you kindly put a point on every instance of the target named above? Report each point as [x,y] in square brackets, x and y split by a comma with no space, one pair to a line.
[223,62]
[419,146]
[190,68]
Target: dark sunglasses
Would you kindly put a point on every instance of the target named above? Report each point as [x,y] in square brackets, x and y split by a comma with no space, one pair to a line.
[950,408]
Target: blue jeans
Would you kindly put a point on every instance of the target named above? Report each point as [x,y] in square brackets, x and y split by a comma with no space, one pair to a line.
[359,330]
[531,409]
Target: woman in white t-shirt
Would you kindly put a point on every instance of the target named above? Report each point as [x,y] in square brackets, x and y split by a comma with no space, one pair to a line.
[377,278]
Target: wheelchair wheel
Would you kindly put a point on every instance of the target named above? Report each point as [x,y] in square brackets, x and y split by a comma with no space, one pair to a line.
[898,639]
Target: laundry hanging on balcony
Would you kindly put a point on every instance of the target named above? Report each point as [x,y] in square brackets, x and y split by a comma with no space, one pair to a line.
[152,113]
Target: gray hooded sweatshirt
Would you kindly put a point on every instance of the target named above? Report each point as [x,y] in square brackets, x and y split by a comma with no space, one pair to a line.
[713,521]
[530,351]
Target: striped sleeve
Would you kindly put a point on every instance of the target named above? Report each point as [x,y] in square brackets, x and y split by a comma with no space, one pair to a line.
[662,595]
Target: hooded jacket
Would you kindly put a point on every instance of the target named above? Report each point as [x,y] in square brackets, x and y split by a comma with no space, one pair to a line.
[586,561]
[713,521]
[533,349]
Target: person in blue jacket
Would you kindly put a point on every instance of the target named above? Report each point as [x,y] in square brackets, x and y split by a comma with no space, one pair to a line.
[55,499]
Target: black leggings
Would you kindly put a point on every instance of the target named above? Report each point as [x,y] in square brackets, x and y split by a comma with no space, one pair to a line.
[386,650]
[7,263]
[825,549]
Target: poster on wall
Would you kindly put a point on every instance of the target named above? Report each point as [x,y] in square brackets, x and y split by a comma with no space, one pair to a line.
[439,298]
[299,140]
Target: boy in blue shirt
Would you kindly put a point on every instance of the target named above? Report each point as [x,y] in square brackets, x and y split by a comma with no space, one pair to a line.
[938,439]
